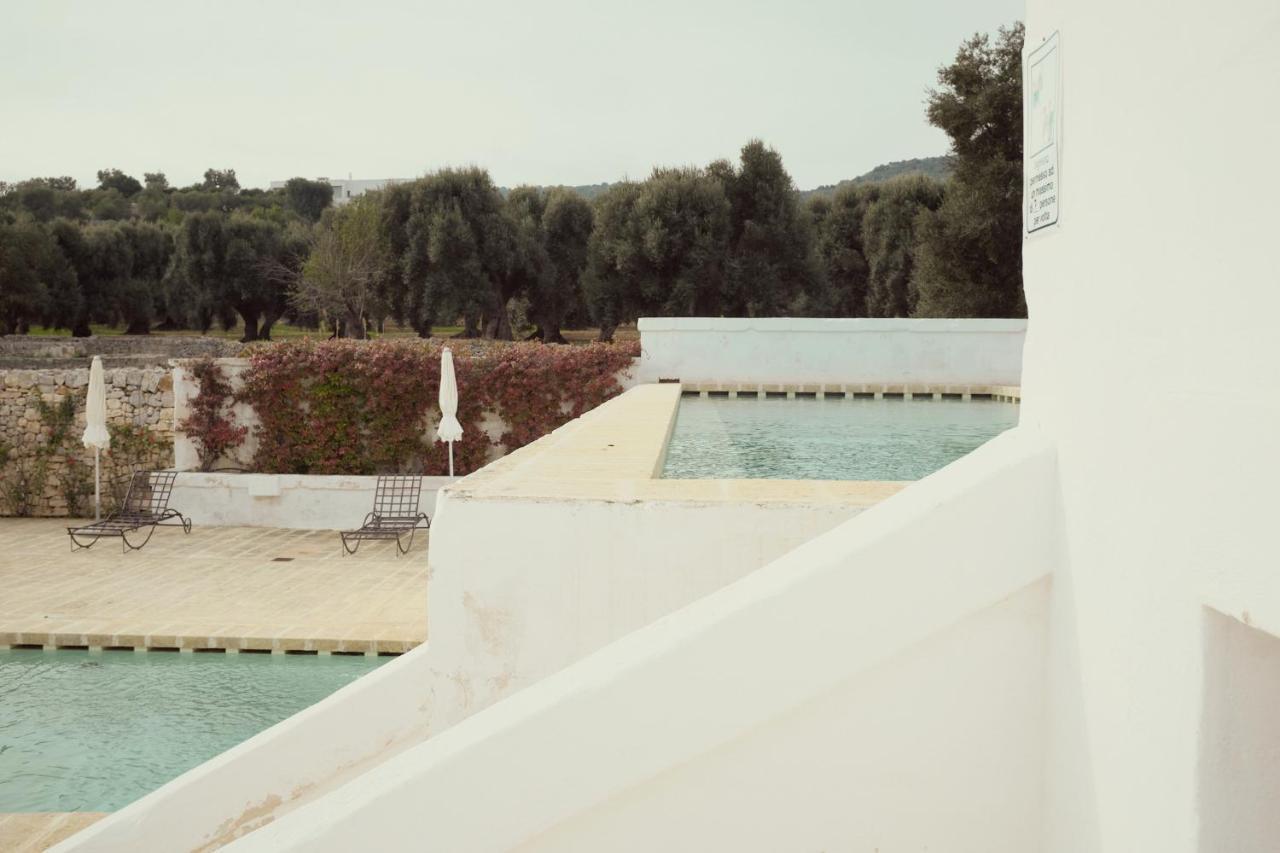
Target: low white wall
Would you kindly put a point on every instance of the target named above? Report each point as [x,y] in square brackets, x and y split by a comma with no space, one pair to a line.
[250,784]
[832,352]
[907,599]
[299,501]
[556,580]
[939,749]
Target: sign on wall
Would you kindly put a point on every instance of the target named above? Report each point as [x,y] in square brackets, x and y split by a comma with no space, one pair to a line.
[1042,135]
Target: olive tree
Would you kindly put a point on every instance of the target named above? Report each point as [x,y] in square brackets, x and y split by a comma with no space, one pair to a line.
[347,256]
[969,261]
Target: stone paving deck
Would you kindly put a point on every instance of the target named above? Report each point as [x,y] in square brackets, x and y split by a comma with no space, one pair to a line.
[230,588]
[35,832]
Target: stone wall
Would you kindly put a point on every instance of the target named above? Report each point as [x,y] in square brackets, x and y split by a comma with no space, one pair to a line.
[140,398]
[33,352]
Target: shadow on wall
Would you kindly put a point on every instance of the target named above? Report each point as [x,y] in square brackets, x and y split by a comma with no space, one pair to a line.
[1239,784]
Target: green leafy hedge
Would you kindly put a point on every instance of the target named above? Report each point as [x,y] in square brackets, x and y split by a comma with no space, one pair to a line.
[349,407]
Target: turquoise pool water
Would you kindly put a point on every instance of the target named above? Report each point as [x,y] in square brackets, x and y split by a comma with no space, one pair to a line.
[82,731]
[820,439]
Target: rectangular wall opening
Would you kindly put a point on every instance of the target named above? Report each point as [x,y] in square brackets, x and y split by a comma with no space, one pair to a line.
[1239,774]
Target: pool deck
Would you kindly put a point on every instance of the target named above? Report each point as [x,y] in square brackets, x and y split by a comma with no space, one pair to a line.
[34,832]
[228,589]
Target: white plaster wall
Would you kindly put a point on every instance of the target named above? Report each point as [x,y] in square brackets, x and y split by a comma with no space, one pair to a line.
[521,588]
[937,749]
[298,501]
[1240,741]
[785,350]
[864,634]
[1153,362]
[185,388]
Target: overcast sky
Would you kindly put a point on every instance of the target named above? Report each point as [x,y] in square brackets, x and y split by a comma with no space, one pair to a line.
[537,92]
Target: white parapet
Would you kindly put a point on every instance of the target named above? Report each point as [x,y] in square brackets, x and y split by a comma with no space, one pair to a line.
[881,686]
[791,351]
[294,501]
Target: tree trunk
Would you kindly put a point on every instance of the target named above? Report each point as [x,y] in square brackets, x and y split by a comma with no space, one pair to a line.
[354,326]
[470,326]
[138,327]
[421,325]
[269,319]
[606,332]
[498,327]
[250,325]
[81,329]
[551,332]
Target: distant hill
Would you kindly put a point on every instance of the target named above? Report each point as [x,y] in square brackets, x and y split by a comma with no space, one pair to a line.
[935,167]
[938,168]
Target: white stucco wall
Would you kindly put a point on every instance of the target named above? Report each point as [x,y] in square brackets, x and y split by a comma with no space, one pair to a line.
[560,579]
[938,749]
[307,502]
[185,388]
[788,351]
[849,654]
[1240,736]
[1152,362]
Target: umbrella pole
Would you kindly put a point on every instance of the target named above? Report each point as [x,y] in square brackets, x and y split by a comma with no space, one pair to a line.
[97,487]
[451,459]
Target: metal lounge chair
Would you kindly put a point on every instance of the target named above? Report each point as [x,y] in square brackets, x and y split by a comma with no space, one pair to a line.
[145,507]
[395,514]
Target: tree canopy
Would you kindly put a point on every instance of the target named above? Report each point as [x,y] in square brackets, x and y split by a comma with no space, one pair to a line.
[731,238]
[970,253]
[308,199]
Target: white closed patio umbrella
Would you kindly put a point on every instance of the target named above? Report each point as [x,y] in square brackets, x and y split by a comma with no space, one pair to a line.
[95,428]
[449,429]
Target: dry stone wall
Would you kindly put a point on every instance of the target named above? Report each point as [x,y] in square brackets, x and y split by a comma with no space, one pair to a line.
[160,348]
[139,399]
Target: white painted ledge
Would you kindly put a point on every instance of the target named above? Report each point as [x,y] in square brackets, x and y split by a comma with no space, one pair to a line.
[294,501]
[838,326]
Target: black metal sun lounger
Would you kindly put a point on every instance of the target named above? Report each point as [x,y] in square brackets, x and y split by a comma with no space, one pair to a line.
[146,507]
[395,514]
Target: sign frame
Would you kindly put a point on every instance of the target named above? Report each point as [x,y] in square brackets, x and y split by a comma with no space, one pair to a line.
[1042,136]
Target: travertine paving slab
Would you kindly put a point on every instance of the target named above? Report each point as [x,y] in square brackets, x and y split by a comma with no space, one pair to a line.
[233,588]
[35,832]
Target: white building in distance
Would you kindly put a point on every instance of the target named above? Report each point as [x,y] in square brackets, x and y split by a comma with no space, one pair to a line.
[345,189]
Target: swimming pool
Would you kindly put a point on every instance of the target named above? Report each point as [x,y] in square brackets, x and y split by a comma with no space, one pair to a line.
[827,439]
[93,731]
